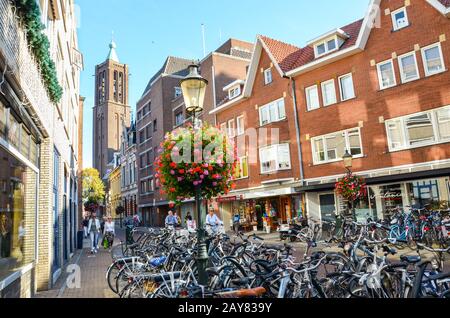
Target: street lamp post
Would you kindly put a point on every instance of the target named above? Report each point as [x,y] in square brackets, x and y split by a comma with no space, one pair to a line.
[348,164]
[194,89]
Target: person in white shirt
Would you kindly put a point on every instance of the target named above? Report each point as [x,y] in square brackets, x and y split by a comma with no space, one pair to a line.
[190,224]
[94,228]
[109,231]
[213,221]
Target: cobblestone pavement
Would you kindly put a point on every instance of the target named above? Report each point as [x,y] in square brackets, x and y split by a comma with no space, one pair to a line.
[92,275]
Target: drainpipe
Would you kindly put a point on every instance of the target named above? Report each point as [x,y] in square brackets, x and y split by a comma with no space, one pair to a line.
[297,130]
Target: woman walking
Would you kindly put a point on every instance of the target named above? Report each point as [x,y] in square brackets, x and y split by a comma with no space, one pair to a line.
[94,231]
[109,232]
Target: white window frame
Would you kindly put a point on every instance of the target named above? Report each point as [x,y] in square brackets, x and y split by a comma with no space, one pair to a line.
[224,127]
[394,21]
[325,43]
[404,130]
[322,85]
[380,77]
[399,59]
[341,87]
[240,129]
[268,79]
[316,160]
[240,167]
[179,91]
[425,64]
[234,92]
[308,99]
[182,121]
[277,159]
[231,128]
[267,108]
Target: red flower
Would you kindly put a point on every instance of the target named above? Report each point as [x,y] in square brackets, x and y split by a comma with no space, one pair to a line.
[181,171]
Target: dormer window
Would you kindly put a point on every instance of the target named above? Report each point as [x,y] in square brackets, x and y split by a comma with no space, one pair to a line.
[178,92]
[234,92]
[326,47]
[400,19]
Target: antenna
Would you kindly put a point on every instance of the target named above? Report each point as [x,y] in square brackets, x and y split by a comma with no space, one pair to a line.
[204,43]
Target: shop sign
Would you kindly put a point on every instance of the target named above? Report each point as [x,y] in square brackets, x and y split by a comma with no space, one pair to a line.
[227,199]
[269,193]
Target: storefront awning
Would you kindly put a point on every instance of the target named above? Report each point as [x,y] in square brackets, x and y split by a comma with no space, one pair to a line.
[383,179]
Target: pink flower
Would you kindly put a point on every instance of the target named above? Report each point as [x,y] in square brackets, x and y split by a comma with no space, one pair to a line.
[214,184]
[172,172]
[195,183]
[206,173]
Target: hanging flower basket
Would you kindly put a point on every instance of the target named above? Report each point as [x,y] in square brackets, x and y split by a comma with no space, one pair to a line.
[190,158]
[351,188]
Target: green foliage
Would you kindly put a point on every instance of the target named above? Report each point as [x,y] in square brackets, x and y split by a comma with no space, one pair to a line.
[93,187]
[30,15]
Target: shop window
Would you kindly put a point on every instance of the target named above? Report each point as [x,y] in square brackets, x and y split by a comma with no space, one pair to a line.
[332,147]
[179,119]
[14,131]
[275,158]
[3,114]
[423,193]
[419,130]
[391,199]
[17,210]
[33,151]
[25,142]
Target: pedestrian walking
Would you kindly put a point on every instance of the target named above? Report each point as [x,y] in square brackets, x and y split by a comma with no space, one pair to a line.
[236,222]
[190,223]
[94,231]
[85,224]
[109,232]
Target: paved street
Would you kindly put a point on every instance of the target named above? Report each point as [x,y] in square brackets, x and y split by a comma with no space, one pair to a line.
[93,269]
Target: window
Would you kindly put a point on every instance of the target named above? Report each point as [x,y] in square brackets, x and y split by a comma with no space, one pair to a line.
[223,127]
[329,93]
[178,92]
[268,76]
[432,59]
[142,162]
[332,147]
[234,92]
[14,131]
[346,87]
[386,74]
[240,125]
[144,187]
[148,132]
[272,112]
[326,46]
[142,136]
[399,19]
[408,67]
[231,128]
[3,114]
[150,158]
[139,115]
[420,129]
[179,119]
[155,125]
[275,158]
[312,98]
[242,168]
[145,110]
[25,142]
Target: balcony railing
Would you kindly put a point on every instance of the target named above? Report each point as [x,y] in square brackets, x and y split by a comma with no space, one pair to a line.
[22,67]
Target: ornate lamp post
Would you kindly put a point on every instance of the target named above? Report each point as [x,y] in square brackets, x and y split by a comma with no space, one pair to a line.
[194,89]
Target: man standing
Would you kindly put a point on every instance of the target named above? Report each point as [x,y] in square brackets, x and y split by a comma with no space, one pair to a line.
[213,221]
[171,220]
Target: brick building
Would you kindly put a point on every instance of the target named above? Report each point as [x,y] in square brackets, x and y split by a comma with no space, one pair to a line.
[128,165]
[162,104]
[39,147]
[377,87]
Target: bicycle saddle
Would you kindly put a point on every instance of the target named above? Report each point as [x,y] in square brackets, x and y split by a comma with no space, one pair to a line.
[411,259]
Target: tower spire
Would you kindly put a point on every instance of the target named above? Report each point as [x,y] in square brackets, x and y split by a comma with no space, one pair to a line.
[112,50]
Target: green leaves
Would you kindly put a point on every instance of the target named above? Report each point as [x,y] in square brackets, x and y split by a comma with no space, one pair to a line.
[93,187]
[30,16]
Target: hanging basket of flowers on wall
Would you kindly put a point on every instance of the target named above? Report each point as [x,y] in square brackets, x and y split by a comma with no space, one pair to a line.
[351,188]
[190,158]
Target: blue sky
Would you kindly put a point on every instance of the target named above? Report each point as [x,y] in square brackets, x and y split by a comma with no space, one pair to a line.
[147,31]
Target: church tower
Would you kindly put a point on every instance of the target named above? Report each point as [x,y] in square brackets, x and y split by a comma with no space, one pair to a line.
[111,110]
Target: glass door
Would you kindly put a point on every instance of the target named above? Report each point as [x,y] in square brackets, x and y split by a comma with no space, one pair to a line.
[327,208]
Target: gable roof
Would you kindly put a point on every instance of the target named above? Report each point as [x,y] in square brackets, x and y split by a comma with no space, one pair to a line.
[443,6]
[445,3]
[174,66]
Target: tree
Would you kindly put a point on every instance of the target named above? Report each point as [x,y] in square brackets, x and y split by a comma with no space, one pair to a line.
[93,187]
